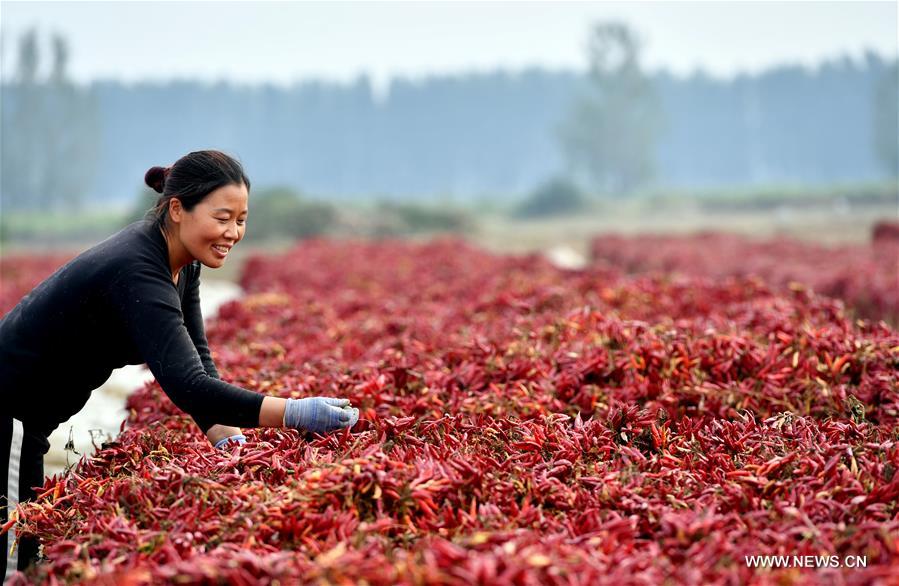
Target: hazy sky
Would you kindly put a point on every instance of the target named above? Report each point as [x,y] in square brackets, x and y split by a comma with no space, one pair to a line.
[286,41]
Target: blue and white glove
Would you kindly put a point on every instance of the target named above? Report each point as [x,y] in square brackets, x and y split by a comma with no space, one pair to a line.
[240,439]
[320,414]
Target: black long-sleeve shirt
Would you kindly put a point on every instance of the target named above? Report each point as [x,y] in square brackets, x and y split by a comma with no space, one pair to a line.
[114,304]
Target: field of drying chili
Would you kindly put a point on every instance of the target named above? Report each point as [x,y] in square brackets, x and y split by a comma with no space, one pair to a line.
[864,276]
[520,424]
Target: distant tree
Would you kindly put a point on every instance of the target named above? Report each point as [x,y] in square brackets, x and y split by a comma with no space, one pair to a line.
[21,125]
[29,57]
[51,132]
[73,132]
[886,120]
[610,134]
[60,60]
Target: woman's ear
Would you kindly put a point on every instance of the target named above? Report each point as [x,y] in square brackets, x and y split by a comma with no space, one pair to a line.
[175,210]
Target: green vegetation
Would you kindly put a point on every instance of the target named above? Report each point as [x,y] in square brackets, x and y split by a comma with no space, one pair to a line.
[279,212]
[555,197]
[48,229]
[392,218]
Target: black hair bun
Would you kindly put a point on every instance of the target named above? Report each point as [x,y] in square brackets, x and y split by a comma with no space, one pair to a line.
[155,178]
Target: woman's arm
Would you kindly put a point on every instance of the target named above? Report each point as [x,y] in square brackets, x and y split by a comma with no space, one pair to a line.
[193,320]
[272,412]
[150,310]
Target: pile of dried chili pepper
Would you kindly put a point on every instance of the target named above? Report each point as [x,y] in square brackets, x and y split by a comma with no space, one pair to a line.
[520,424]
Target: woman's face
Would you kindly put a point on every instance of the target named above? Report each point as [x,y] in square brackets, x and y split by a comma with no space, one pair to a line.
[214,225]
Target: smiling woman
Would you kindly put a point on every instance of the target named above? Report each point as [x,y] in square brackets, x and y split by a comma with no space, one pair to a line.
[133,299]
[204,228]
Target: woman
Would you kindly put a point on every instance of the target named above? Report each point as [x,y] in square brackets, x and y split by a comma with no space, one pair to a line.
[133,299]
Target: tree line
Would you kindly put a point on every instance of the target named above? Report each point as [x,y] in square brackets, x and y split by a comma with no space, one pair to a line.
[613,130]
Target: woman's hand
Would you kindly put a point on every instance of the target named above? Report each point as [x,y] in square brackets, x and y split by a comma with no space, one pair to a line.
[309,414]
[239,439]
[319,414]
[219,435]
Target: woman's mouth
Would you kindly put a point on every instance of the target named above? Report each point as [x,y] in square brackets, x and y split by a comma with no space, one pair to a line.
[221,251]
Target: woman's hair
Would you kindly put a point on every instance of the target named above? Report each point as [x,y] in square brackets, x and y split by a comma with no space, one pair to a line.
[191,179]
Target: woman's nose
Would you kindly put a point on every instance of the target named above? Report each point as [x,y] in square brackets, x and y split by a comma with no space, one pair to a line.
[232,232]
